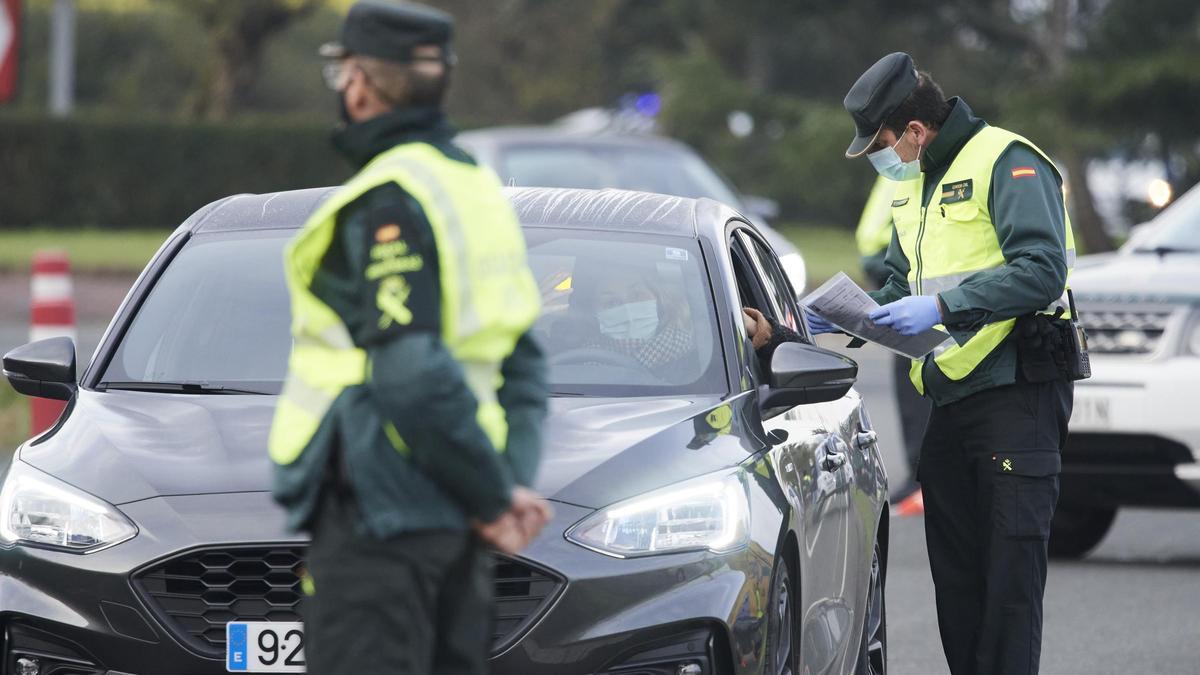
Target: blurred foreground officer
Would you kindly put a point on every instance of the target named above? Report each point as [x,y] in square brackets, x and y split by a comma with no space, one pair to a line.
[982,246]
[873,235]
[415,395]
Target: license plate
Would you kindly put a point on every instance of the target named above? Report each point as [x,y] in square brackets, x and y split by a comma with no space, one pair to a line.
[264,647]
[1094,412]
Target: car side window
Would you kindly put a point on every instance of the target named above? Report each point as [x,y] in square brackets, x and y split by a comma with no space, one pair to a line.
[774,281]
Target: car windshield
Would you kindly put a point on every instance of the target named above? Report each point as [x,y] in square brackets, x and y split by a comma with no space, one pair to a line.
[667,172]
[1177,228]
[218,315]
[623,315]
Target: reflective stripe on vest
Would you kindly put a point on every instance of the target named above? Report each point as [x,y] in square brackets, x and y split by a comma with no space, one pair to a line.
[954,238]
[488,295]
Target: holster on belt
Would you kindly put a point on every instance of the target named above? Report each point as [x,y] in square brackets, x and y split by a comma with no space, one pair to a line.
[1051,348]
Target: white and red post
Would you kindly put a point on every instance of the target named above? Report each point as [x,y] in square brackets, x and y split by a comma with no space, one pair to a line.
[52,314]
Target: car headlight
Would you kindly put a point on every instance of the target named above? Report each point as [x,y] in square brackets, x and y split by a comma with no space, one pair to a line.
[710,512]
[38,509]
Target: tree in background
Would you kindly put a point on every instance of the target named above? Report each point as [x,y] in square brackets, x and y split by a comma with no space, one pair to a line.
[238,33]
[1085,78]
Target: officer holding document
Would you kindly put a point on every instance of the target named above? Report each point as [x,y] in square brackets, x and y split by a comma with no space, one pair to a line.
[982,248]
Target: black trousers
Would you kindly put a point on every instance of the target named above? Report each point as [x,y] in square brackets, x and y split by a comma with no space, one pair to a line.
[416,604]
[914,412]
[989,470]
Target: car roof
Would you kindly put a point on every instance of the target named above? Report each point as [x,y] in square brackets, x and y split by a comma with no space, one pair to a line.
[549,135]
[607,210]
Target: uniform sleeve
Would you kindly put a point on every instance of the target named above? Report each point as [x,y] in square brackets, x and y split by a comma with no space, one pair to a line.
[896,264]
[413,379]
[1027,210]
[523,397]
[779,335]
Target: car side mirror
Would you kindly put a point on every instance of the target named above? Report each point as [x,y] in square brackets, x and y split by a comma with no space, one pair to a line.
[803,373]
[45,368]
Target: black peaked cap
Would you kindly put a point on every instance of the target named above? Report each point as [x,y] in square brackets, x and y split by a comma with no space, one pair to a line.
[389,30]
[876,95]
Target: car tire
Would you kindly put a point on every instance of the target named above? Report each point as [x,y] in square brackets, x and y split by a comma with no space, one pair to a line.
[1075,530]
[782,651]
[872,652]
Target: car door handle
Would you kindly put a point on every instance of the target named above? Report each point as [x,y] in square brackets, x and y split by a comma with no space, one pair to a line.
[833,461]
[866,439]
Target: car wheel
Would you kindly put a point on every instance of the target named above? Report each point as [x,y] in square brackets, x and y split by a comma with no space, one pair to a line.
[872,653]
[1075,530]
[781,621]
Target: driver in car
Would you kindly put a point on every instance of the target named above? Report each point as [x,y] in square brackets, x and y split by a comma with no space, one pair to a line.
[635,318]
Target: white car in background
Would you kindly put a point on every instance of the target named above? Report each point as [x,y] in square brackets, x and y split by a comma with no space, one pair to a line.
[564,157]
[1135,431]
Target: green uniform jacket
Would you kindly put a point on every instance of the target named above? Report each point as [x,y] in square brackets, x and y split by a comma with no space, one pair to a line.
[454,474]
[1031,228]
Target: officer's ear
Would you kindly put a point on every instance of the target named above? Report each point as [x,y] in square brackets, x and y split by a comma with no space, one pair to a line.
[919,132]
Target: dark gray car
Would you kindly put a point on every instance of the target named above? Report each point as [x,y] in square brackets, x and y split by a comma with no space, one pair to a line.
[721,516]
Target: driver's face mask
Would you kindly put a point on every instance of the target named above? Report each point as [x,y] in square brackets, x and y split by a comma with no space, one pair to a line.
[630,321]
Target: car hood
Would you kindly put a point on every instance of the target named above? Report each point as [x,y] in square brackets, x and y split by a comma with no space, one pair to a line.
[128,446]
[1139,277]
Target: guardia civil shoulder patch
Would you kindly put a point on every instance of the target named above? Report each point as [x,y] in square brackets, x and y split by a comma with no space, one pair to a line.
[1023,172]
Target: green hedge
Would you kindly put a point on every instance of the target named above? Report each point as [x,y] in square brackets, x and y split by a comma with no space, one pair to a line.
[149,173]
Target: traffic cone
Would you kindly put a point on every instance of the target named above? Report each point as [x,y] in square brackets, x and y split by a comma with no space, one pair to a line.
[912,505]
[52,314]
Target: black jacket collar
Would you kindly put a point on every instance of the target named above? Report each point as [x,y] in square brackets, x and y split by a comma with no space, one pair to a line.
[361,142]
[958,128]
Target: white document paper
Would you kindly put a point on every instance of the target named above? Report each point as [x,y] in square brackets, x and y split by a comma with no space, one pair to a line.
[841,302]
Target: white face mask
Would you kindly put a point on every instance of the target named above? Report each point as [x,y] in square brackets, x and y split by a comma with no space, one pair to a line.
[889,165]
[631,321]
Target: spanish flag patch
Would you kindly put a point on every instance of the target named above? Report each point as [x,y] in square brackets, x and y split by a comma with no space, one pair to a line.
[1023,171]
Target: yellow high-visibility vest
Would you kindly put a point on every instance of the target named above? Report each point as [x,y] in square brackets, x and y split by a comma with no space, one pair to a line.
[954,238]
[489,298]
[874,232]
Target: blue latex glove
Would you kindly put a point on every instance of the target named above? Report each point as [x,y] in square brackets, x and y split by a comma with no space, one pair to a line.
[909,316]
[818,325]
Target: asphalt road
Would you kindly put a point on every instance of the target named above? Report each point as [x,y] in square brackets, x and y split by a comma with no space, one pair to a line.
[1132,606]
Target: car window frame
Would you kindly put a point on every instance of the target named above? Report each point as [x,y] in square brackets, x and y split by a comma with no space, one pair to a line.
[766,262]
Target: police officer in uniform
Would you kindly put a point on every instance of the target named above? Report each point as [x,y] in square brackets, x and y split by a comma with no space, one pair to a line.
[982,247]
[411,416]
[873,234]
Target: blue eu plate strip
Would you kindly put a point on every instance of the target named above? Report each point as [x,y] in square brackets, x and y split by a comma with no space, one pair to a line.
[238,652]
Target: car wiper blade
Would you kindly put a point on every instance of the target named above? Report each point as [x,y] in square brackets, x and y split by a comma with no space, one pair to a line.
[176,388]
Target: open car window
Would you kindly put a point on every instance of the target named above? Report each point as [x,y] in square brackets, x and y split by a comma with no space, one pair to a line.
[774,280]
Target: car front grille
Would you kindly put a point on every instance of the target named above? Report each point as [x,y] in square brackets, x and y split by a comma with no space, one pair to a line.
[1125,331]
[197,593]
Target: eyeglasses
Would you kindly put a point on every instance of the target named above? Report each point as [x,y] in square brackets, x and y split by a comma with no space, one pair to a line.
[336,74]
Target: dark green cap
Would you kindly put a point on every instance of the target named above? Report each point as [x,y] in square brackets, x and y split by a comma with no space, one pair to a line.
[390,30]
[876,95]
